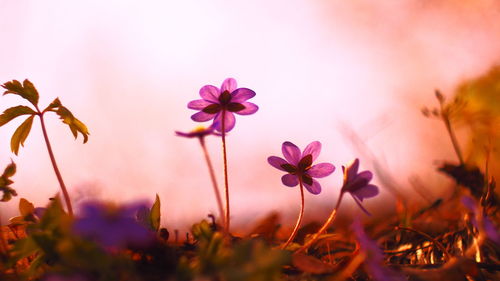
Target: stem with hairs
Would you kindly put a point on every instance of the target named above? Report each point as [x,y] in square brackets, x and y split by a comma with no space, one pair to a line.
[299,219]
[226,184]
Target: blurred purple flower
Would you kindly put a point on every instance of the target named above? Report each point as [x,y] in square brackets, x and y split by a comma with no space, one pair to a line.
[357,184]
[299,166]
[111,226]
[199,132]
[489,228]
[374,261]
[225,101]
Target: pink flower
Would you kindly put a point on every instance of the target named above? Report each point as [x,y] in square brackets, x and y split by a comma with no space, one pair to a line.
[298,166]
[217,103]
[357,184]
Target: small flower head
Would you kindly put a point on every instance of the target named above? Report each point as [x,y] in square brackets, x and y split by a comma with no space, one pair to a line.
[298,166]
[113,227]
[199,132]
[226,101]
[357,184]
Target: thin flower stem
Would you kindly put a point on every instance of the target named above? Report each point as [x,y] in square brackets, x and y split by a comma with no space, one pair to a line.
[299,219]
[54,165]
[330,219]
[446,119]
[226,184]
[214,180]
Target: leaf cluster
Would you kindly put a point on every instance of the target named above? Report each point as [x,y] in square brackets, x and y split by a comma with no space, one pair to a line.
[5,182]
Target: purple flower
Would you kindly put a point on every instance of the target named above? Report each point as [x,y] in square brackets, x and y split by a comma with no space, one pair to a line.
[111,226]
[199,132]
[357,184]
[374,260]
[489,228]
[299,166]
[217,103]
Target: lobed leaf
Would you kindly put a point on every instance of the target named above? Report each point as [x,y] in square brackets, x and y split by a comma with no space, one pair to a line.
[155,214]
[13,112]
[75,125]
[8,192]
[26,90]
[21,134]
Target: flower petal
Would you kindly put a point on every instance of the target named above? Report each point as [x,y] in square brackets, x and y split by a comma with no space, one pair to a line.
[366,192]
[229,121]
[242,94]
[290,180]
[351,170]
[250,108]
[198,104]
[202,116]
[321,170]
[228,85]
[210,93]
[291,153]
[314,148]
[186,135]
[359,204]
[276,162]
[315,188]
[366,175]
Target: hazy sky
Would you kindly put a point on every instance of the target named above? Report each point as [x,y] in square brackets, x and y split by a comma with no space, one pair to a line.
[128,68]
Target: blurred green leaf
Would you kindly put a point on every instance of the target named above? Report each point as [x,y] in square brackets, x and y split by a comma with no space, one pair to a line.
[26,90]
[75,125]
[13,112]
[21,134]
[155,214]
[5,181]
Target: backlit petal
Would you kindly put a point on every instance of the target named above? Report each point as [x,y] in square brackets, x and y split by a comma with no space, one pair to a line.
[366,192]
[202,116]
[315,188]
[276,162]
[242,94]
[321,170]
[210,93]
[250,108]
[228,85]
[314,148]
[291,152]
[198,104]
[229,121]
[289,180]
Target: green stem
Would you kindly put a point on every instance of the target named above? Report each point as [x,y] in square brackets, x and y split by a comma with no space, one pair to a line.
[299,219]
[226,184]
[214,180]
[330,219]
[54,165]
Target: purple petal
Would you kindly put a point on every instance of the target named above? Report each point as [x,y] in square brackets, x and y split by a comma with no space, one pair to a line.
[366,175]
[250,108]
[359,204]
[210,93]
[198,104]
[276,162]
[469,203]
[366,192]
[186,135]
[290,180]
[351,170]
[321,170]
[314,148]
[228,85]
[242,94]
[315,188]
[202,116]
[291,153]
[229,121]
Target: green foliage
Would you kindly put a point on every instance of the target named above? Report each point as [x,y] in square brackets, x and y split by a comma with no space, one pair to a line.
[150,218]
[26,90]
[75,125]
[5,182]
[13,112]
[21,134]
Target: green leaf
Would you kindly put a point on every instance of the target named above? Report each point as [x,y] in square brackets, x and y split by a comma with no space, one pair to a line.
[10,170]
[26,207]
[21,134]
[75,125]
[13,112]
[8,192]
[26,90]
[155,214]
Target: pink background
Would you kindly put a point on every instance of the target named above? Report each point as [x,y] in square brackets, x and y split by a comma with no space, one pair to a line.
[128,68]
